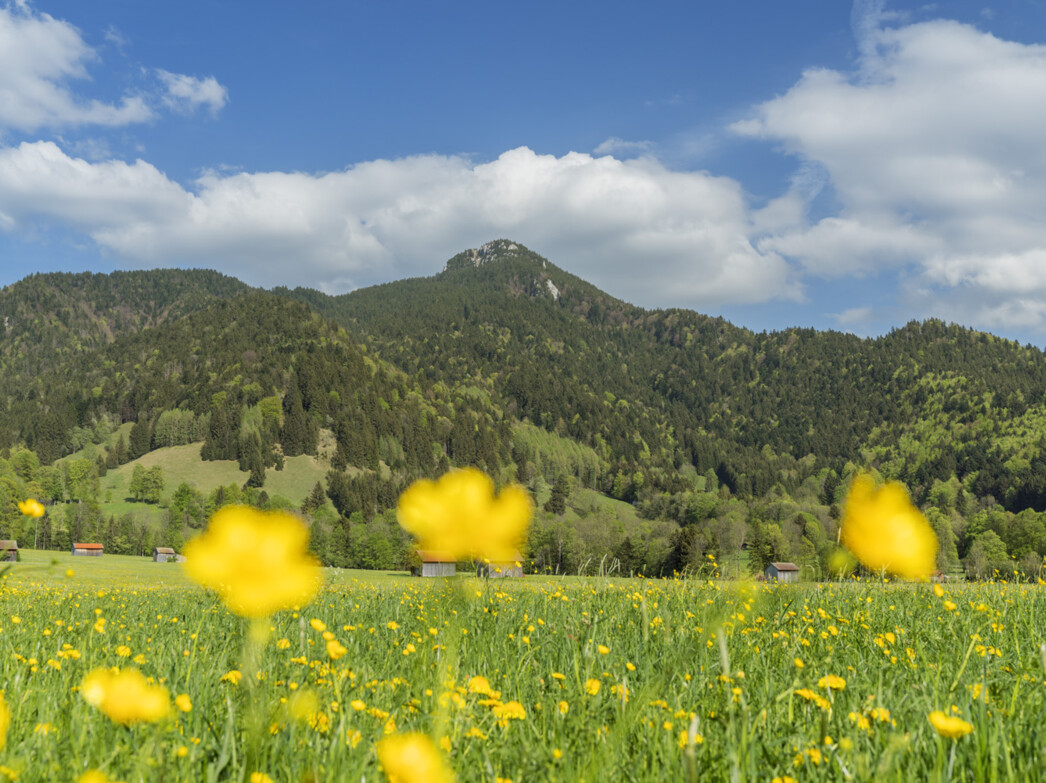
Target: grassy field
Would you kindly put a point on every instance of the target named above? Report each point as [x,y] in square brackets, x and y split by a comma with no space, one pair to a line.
[183,463]
[588,678]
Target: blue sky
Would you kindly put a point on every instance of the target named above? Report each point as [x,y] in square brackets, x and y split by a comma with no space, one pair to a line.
[802,163]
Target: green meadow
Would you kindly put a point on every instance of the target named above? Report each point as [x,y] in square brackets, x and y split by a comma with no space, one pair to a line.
[656,679]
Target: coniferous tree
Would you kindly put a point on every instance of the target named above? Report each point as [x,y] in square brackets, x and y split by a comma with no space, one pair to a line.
[140,440]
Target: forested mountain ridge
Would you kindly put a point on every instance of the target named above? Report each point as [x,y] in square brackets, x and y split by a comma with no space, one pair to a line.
[717,437]
[654,390]
[45,319]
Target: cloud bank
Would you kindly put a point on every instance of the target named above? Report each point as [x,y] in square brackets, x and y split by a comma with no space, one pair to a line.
[644,232]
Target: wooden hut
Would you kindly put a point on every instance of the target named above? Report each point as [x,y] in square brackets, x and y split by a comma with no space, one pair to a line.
[88,550]
[503,568]
[164,554]
[782,572]
[436,563]
[8,551]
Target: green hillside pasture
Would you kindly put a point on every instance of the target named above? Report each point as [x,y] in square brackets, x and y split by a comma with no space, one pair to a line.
[183,463]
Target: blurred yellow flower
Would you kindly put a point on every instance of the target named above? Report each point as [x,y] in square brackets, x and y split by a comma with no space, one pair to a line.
[949,726]
[255,560]
[5,721]
[412,758]
[183,702]
[125,696]
[335,649]
[31,507]
[260,777]
[460,515]
[233,676]
[885,531]
[94,776]
[592,686]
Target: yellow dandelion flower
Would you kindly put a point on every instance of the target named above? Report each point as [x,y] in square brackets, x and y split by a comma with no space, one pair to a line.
[816,698]
[183,702]
[949,726]
[603,649]
[232,677]
[481,685]
[412,758]
[564,708]
[949,606]
[125,696]
[260,777]
[592,686]
[460,515]
[885,531]
[512,709]
[31,507]
[318,625]
[832,682]
[256,561]
[335,649]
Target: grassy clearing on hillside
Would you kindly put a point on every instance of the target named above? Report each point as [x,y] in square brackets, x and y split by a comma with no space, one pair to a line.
[640,679]
[183,464]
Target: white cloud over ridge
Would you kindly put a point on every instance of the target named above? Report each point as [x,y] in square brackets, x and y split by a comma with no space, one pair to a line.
[934,149]
[645,233]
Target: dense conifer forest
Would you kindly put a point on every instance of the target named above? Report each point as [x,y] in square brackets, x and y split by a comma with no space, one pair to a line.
[653,441]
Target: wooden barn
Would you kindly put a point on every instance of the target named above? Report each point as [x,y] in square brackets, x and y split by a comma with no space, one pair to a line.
[164,554]
[8,551]
[88,550]
[782,572]
[500,569]
[436,563]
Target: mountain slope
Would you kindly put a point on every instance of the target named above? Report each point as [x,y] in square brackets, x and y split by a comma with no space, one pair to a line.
[653,390]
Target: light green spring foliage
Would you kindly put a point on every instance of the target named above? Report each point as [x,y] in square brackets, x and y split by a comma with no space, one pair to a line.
[710,671]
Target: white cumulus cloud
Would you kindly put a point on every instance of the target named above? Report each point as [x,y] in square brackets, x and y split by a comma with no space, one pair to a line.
[933,148]
[39,56]
[42,59]
[643,232]
[186,94]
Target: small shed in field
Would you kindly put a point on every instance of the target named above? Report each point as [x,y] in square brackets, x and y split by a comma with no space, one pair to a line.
[436,563]
[164,554]
[88,550]
[503,568]
[8,551]
[782,572]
